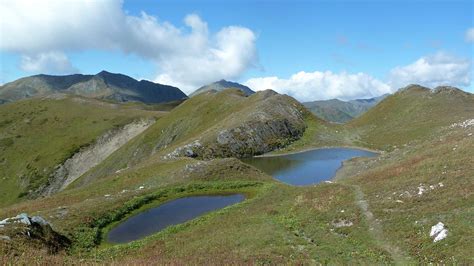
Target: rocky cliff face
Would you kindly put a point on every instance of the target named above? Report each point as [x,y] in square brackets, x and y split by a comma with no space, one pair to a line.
[91,156]
[275,121]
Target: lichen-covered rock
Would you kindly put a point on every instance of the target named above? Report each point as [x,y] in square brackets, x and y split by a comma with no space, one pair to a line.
[22,232]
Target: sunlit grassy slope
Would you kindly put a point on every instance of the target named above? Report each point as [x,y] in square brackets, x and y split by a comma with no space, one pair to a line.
[200,118]
[38,134]
[413,113]
[277,223]
[413,188]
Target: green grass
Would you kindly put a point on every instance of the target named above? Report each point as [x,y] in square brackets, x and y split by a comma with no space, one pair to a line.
[409,115]
[277,223]
[38,134]
[446,158]
[298,229]
[200,118]
[281,224]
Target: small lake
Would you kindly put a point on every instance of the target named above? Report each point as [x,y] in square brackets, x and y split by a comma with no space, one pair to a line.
[170,213]
[306,168]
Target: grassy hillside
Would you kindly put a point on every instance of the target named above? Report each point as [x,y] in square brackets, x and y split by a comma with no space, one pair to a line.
[202,118]
[413,188]
[412,113]
[278,223]
[38,134]
[297,229]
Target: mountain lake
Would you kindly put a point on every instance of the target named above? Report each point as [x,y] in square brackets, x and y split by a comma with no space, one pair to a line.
[308,167]
[170,213]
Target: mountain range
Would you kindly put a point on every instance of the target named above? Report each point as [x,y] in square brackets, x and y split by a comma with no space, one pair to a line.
[84,165]
[339,111]
[103,85]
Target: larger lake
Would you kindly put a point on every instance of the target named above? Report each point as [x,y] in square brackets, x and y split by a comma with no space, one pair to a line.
[170,213]
[306,168]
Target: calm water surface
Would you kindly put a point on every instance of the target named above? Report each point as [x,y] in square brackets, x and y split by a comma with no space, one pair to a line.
[307,168]
[170,213]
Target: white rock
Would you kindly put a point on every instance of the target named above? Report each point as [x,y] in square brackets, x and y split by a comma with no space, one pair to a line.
[39,220]
[107,195]
[421,189]
[23,218]
[435,229]
[439,232]
[399,201]
[442,235]
[141,187]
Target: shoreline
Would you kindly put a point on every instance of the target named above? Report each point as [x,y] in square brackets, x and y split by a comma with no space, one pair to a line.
[317,148]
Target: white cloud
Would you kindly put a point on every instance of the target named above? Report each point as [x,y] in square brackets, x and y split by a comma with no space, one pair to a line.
[310,86]
[470,35]
[51,62]
[188,57]
[431,71]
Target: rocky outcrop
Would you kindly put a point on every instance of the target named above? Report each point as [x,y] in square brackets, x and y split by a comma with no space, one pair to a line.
[32,232]
[88,157]
[274,122]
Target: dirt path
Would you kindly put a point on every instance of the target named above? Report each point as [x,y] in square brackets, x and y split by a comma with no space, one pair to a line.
[376,231]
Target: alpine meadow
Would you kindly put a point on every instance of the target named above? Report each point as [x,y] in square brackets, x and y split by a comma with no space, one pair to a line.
[237,132]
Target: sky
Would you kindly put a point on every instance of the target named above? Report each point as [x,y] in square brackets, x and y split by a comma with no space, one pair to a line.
[311,50]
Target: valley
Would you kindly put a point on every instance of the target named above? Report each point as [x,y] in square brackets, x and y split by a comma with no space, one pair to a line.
[373,209]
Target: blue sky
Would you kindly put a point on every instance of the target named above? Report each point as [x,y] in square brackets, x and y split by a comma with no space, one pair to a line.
[308,49]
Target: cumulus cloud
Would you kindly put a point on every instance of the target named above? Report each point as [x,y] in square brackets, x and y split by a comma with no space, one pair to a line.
[48,63]
[310,86]
[188,57]
[470,35]
[433,70]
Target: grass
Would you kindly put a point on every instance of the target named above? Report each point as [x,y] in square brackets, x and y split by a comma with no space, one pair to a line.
[38,134]
[391,189]
[281,224]
[200,118]
[296,229]
[409,115]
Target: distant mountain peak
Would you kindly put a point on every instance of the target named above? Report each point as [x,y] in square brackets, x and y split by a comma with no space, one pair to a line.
[339,111]
[223,85]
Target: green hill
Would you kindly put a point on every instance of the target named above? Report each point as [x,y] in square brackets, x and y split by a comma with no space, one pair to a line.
[215,125]
[181,155]
[38,134]
[413,113]
[103,85]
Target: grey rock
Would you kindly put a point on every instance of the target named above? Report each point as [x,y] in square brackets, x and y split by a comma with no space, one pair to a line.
[39,220]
